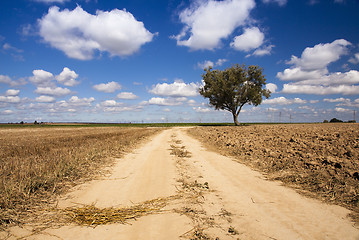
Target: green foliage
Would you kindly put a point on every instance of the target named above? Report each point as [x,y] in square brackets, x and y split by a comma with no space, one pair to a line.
[234,87]
[335,120]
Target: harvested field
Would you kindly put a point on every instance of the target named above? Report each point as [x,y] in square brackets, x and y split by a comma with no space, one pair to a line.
[38,163]
[320,159]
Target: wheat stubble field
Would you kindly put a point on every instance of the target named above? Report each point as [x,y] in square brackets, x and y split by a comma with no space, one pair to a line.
[181,183]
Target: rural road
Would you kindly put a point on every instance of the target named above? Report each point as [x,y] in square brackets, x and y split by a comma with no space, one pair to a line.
[216,197]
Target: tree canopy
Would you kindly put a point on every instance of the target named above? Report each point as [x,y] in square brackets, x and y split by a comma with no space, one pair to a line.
[234,87]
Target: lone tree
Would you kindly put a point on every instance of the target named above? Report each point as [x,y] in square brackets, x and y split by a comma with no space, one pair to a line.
[234,87]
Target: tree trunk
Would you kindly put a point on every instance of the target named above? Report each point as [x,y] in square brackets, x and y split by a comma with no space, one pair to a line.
[235,119]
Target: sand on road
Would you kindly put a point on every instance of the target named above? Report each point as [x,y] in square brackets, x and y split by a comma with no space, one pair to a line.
[218,198]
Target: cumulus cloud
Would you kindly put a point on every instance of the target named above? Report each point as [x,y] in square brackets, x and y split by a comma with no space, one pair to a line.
[297,74]
[252,38]
[208,63]
[7,80]
[165,101]
[7,112]
[45,99]
[205,64]
[208,22]
[201,110]
[76,101]
[321,90]
[41,78]
[267,50]
[321,55]
[309,73]
[12,92]
[79,34]
[336,100]
[355,59]
[221,61]
[56,91]
[110,103]
[10,99]
[343,110]
[127,95]
[67,77]
[284,101]
[176,89]
[271,87]
[109,87]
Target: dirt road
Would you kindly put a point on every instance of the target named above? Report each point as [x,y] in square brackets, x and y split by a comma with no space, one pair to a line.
[216,197]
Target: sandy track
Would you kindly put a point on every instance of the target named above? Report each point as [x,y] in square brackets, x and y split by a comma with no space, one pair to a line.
[239,203]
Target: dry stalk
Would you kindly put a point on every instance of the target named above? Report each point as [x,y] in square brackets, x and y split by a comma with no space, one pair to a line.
[89,215]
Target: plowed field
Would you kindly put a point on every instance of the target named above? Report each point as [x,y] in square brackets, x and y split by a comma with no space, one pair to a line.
[321,159]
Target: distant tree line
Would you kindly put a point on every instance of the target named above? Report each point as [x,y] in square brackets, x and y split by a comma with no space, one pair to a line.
[335,120]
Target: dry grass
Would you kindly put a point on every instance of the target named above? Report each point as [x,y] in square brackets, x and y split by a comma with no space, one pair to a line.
[92,216]
[36,164]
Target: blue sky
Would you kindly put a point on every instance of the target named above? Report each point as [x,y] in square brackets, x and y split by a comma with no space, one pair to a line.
[142,61]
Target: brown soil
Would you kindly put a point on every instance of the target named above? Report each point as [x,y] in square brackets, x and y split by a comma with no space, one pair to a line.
[321,159]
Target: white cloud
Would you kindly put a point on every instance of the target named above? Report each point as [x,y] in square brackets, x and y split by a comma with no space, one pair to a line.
[8,46]
[321,90]
[110,103]
[7,80]
[208,63]
[57,91]
[207,22]
[310,74]
[252,38]
[191,102]
[205,64]
[10,99]
[67,77]
[279,2]
[123,109]
[7,112]
[79,34]
[271,87]
[355,59]
[76,101]
[45,99]
[109,87]
[12,92]
[336,100]
[176,89]
[263,51]
[127,95]
[321,55]
[297,74]
[201,110]
[343,110]
[284,101]
[221,61]
[41,78]
[164,101]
